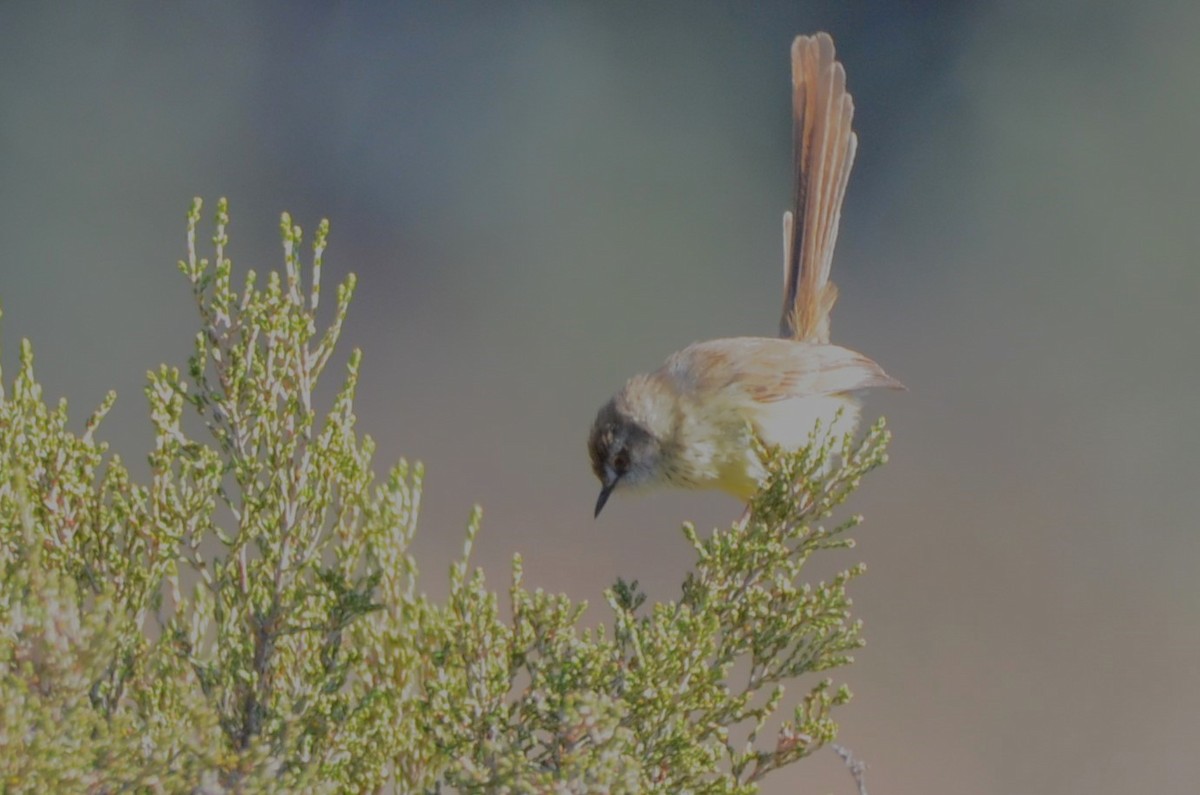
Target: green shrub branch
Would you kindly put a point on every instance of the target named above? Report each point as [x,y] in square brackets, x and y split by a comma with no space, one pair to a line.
[248,618]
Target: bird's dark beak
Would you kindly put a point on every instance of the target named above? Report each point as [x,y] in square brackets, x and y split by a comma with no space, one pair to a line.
[610,483]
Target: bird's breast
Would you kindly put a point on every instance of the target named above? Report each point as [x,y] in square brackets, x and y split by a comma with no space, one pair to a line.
[714,435]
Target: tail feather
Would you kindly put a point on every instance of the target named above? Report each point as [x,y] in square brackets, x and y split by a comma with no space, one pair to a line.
[823,147]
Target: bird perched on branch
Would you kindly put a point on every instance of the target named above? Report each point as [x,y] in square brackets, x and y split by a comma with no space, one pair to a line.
[691,423]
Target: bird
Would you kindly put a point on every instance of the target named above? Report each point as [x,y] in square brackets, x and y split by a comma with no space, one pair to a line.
[692,422]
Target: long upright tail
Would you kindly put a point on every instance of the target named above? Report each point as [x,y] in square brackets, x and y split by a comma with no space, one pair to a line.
[823,147]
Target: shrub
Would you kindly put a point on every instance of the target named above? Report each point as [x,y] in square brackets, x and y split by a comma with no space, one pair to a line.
[248,618]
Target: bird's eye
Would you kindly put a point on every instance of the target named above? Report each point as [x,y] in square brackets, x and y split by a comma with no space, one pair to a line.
[621,462]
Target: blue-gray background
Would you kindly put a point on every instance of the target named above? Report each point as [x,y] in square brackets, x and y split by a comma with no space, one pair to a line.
[540,199]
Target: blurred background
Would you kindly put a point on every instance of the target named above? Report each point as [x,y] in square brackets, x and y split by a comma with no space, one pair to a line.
[542,199]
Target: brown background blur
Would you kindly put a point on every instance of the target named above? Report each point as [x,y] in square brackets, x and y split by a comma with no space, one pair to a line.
[542,200]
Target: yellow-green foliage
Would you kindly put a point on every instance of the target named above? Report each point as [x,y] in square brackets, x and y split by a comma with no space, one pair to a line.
[248,619]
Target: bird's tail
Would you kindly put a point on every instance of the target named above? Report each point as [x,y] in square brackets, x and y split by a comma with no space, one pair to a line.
[823,147]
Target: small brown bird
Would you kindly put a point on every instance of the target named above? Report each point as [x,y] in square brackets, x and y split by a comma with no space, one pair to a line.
[690,422]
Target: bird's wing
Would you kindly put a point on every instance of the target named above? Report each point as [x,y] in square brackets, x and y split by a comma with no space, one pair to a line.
[769,369]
